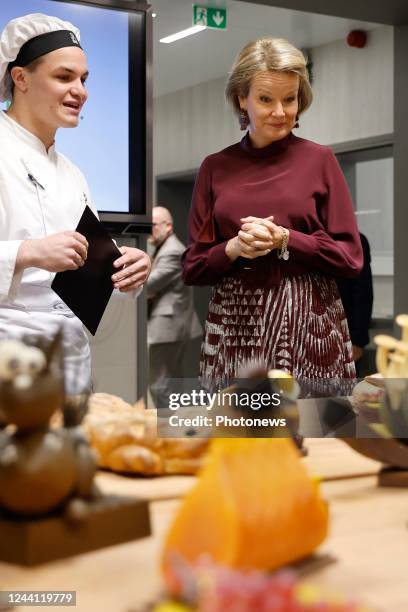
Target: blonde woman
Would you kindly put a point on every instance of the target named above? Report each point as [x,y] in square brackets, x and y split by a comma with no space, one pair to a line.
[271,225]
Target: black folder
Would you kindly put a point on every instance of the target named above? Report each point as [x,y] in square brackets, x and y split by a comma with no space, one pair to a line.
[86,291]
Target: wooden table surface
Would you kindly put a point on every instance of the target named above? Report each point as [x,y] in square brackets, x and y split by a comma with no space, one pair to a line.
[368,539]
[328,458]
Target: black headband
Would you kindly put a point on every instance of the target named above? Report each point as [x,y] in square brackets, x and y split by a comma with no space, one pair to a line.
[42,44]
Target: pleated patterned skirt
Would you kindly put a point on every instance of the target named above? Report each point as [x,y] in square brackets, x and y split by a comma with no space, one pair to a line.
[299,327]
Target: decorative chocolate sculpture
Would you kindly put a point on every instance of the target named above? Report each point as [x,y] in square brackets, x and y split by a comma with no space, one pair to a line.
[41,469]
[46,474]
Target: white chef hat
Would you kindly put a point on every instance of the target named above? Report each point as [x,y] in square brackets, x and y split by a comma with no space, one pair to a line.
[26,38]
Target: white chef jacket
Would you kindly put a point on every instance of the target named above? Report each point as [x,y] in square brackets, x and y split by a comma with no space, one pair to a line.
[41,193]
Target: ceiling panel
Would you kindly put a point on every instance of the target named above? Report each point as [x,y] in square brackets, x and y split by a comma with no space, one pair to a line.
[209,54]
[390,12]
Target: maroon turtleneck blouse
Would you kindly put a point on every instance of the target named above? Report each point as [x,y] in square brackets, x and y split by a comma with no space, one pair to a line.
[298,182]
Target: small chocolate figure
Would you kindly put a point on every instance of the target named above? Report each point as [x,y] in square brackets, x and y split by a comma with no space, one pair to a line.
[42,469]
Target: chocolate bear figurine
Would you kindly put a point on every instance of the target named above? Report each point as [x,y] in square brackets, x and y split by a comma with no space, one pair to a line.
[42,469]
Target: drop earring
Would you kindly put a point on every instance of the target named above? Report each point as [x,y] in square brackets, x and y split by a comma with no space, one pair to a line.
[243,119]
[297,122]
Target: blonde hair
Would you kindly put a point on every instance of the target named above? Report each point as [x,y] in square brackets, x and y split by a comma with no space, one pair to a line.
[276,54]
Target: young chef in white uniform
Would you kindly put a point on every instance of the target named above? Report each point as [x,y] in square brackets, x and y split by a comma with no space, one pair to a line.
[43,71]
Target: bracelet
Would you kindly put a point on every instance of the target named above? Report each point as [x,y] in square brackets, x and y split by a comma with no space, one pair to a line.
[283,252]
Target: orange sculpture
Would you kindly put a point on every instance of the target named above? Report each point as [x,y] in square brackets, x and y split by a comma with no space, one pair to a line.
[254,506]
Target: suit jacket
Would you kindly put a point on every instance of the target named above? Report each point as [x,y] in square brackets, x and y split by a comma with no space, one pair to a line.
[172,316]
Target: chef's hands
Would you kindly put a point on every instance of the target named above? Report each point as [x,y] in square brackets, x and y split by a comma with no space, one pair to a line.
[68,251]
[256,238]
[54,253]
[133,268]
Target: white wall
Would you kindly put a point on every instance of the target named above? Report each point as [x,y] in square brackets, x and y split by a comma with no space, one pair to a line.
[375,217]
[383,296]
[353,90]
[189,124]
[114,347]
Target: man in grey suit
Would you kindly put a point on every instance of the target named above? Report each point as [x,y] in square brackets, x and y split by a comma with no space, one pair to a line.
[172,321]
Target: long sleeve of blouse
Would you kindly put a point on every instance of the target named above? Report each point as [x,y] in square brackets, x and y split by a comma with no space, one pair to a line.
[298,182]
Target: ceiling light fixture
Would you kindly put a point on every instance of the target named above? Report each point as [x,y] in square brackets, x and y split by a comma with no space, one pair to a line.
[173,37]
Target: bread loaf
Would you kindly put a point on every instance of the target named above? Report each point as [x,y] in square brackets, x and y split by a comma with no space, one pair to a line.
[125,438]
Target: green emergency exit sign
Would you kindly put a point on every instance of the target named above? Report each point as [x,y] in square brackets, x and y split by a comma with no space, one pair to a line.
[210,17]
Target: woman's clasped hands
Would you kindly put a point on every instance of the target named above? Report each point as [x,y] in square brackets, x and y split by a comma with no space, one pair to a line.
[256,238]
